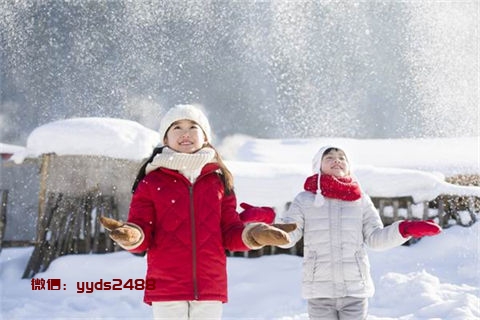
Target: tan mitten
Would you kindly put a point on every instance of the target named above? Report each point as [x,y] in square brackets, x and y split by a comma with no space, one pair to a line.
[287,227]
[125,234]
[262,234]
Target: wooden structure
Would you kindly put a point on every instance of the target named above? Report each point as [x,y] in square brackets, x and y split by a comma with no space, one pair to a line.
[70,225]
[74,191]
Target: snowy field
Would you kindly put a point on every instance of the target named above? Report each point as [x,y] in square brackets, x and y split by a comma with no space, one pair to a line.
[436,278]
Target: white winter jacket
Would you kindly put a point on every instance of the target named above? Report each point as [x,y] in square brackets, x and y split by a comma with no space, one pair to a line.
[335,262]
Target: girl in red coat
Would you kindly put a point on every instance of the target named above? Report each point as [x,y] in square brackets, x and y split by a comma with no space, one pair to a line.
[183,214]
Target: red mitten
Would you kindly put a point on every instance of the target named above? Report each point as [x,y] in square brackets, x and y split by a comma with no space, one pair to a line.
[256,214]
[418,229]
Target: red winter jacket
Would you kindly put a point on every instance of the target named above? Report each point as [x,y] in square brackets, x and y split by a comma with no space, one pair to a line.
[187,228]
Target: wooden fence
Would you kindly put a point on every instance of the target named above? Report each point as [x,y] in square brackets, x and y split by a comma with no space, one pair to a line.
[70,225]
[447,210]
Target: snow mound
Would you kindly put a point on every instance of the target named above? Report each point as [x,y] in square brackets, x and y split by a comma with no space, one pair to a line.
[116,138]
[397,182]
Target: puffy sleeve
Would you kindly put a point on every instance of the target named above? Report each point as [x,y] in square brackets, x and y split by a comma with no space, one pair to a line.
[142,214]
[232,226]
[375,235]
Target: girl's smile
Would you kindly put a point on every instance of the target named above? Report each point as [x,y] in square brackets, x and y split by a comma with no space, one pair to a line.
[185,136]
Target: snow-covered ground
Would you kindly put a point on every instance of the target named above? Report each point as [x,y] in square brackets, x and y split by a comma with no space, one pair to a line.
[436,278]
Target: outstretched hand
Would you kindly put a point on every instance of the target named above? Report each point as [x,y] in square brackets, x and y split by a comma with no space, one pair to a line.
[270,235]
[124,234]
[418,229]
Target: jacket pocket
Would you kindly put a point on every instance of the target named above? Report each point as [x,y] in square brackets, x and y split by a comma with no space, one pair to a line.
[363,264]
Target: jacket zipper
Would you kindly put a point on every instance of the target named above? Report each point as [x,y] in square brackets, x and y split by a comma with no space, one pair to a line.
[192,228]
[194,244]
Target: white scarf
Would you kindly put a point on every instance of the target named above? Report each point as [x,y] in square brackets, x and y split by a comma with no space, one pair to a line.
[188,164]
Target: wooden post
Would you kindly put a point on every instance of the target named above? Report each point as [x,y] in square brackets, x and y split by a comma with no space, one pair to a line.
[441,213]
[453,213]
[3,215]
[379,204]
[395,204]
[409,209]
[425,210]
[42,194]
[41,246]
[87,222]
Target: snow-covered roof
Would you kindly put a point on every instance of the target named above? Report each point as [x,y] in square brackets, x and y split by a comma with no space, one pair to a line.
[116,138]
[10,148]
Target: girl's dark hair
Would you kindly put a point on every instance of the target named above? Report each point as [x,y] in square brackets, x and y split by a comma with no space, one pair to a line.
[330,149]
[225,175]
[141,171]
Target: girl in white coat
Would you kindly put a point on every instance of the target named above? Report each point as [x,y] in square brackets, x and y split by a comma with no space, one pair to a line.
[337,220]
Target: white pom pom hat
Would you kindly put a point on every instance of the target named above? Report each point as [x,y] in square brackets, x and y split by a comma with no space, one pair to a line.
[185,112]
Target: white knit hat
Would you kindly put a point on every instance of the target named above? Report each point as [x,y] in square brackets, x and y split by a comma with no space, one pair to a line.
[185,112]
[316,166]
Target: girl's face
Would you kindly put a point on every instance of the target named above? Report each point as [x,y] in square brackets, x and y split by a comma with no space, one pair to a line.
[335,163]
[185,136]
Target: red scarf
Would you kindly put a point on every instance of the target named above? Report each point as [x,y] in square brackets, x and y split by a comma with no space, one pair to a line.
[342,188]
